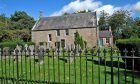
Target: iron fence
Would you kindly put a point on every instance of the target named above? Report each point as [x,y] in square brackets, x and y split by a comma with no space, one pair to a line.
[66,66]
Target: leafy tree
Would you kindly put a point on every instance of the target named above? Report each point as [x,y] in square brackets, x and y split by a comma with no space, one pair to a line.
[103,20]
[137,25]
[118,20]
[137,21]
[79,40]
[20,20]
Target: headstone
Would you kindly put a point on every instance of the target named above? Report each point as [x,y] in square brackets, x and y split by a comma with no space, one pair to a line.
[31,48]
[26,47]
[40,56]
[48,45]
[17,52]
[6,52]
[70,58]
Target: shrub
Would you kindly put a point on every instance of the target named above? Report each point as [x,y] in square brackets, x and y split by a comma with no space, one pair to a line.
[30,43]
[129,44]
[12,43]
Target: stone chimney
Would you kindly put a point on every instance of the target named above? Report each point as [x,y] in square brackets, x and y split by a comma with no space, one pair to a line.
[40,14]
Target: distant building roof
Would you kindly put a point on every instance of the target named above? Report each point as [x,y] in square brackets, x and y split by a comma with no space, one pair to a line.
[79,20]
[105,34]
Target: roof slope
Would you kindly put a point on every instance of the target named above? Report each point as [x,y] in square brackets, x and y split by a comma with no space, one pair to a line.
[105,34]
[79,20]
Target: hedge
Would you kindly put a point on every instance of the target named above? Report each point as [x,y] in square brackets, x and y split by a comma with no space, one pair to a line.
[129,44]
[12,45]
[30,43]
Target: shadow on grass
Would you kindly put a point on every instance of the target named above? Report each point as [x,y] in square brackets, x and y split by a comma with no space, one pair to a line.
[108,63]
[64,60]
[128,72]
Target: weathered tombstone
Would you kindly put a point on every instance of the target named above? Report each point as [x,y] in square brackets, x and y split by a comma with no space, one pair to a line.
[6,52]
[19,50]
[45,46]
[17,53]
[31,51]
[40,55]
[48,45]
[26,47]
[70,57]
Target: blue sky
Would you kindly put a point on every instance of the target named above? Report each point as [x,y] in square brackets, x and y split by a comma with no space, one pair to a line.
[58,7]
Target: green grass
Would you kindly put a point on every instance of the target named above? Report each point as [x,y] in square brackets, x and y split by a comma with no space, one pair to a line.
[47,71]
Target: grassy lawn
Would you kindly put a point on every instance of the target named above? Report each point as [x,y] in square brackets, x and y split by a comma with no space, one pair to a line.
[57,71]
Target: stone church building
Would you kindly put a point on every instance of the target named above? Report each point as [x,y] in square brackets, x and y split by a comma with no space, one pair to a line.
[63,28]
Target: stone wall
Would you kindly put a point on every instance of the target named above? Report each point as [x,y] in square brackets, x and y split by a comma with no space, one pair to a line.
[88,34]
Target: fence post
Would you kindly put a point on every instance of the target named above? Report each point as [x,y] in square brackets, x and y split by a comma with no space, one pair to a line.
[99,61]
[133,52]
[111,57]
[118,54]
[92,53]
[125,55]
[105,52]
[17,71]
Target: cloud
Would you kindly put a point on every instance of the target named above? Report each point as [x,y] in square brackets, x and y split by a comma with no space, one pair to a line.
[108,8]
[78,5]
[94,6]
[137,6]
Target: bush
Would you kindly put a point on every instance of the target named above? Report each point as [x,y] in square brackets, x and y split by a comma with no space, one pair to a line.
[30,43]
[129,44]
[42,43]
[12,44]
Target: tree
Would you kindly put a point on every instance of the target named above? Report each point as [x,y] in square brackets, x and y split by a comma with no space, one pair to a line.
[118,21]
[103,20]
[79,40]
[20,20]
[137,25]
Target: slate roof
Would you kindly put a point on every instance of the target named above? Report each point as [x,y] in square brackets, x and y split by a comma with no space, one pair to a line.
[80,20]
[105,34]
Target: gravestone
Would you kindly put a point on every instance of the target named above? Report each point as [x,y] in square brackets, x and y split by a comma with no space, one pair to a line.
[26,46]
[6,52]
[48,45]
[40,55]
[17,52]
[31,49]
[71,56]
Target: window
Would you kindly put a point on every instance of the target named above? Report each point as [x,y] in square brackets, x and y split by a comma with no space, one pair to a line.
[66,32]
[58,32]
[107,40]
[57,44]
[62,43]
[49,37]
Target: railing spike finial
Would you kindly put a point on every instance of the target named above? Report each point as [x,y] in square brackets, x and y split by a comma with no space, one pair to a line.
[133,51]
[125,52]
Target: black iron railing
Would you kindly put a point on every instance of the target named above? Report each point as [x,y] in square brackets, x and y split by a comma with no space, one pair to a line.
[88,66]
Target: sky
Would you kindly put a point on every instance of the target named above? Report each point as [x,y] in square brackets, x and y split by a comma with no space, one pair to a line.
[58,7]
